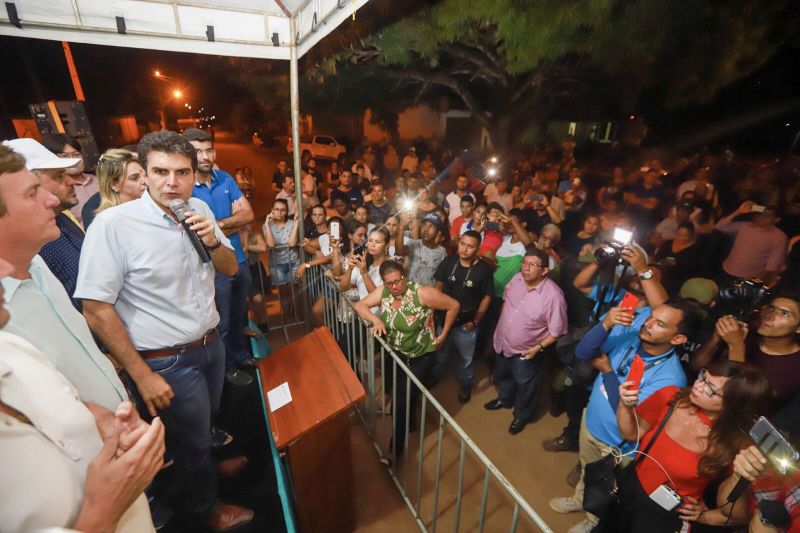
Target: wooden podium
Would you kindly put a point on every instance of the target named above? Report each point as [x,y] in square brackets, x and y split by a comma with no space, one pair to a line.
[314,428]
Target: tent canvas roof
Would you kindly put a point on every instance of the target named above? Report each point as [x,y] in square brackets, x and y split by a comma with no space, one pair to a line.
[243,28]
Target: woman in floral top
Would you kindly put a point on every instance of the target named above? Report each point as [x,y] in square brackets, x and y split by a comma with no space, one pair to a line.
[406,319]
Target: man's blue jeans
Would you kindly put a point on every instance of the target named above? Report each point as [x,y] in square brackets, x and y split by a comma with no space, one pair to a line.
[463,342]
[196,377]
[231,300]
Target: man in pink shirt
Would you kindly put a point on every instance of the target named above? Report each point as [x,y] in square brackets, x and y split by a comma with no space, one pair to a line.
[759,250]
[534,315]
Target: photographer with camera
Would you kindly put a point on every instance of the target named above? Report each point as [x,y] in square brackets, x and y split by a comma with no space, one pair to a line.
[759,248]
[620,336]
[774,347]
[645,284]
[649,293]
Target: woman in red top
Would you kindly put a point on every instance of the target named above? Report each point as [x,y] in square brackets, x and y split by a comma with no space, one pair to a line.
[707,426]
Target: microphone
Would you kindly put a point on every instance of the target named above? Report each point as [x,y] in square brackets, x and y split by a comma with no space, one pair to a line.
[179,208]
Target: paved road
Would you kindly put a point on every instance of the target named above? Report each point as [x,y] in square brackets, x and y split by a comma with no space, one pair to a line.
[263,161]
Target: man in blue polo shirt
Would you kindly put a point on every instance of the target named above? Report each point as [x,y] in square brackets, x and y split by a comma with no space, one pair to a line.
[218,189]
[617,335]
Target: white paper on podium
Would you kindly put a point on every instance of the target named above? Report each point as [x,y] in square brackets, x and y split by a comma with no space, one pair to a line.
[279,396]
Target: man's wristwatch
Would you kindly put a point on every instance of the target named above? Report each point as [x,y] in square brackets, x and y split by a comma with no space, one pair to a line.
[212,248]
[646,274]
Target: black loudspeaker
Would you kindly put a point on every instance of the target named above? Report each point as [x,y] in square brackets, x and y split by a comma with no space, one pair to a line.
[67,116]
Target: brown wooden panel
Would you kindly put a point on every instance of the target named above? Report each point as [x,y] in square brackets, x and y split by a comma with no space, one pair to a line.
[322,477]
[320,380]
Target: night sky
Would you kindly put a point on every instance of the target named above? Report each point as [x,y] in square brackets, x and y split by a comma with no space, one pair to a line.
[119,81]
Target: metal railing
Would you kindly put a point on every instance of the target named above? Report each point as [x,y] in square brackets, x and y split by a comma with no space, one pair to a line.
[458,478]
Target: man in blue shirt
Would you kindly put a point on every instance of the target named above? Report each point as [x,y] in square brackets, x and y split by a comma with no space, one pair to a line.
[218,189]
[646,286]
[617,335]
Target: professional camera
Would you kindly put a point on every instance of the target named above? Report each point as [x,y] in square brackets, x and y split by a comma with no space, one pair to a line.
[742,298]
[610,253]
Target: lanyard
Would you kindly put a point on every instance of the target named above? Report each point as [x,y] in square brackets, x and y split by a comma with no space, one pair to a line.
[452,276]
[624,367]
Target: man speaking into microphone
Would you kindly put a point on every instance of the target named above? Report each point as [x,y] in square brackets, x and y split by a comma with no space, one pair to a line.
[148,294]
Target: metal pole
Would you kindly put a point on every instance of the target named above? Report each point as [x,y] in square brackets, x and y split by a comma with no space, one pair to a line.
[294,89]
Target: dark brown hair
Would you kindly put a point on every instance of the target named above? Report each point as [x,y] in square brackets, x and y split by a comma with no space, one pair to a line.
[745,396]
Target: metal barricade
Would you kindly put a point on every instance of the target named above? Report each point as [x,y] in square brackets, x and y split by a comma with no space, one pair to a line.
[451,490]
[295,318]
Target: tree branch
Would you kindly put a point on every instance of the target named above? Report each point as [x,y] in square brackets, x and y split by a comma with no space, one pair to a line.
[535,78]
[482,61]
[451,83]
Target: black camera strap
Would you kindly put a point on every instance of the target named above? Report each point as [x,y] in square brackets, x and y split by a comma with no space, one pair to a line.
[614,285]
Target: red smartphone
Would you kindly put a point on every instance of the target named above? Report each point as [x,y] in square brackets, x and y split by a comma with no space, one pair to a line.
[636,372]
[629,300]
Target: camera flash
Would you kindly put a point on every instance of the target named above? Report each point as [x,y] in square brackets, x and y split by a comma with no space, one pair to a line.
[491,172]
[784,463]
[494,160]
[408,204]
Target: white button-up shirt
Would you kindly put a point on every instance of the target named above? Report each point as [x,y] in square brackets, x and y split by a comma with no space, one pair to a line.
[140,259]
[44,463]
[42,313]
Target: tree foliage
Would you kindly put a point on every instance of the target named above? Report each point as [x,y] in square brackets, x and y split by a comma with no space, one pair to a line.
[511,62]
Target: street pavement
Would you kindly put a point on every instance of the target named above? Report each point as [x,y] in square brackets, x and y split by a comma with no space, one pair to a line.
[263,161]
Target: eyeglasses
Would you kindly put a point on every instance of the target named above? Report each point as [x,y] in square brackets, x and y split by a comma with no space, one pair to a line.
[702,377]
[531,266]
[395,283]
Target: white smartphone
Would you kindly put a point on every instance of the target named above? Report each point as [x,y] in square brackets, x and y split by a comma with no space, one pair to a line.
[757,208]
[335,231]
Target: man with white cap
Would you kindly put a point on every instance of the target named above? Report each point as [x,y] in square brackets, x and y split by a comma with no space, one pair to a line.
[41,311]
[411,161]
[63,254]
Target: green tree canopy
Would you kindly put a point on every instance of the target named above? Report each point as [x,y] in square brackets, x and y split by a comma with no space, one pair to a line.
[513,62]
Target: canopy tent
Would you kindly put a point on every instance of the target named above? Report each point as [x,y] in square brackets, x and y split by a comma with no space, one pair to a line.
[244,28]
[265,29]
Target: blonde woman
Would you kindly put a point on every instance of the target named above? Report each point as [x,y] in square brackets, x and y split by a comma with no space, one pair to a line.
[122,179]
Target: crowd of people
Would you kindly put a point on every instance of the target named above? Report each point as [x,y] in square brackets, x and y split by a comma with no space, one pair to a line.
[130,293]
[558,278]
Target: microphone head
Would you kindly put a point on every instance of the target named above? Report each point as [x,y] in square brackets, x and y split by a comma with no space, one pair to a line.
[179,208]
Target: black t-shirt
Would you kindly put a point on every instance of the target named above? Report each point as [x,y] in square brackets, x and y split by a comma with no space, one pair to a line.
[467,285]
[353,196]
[277,179]
[379,214]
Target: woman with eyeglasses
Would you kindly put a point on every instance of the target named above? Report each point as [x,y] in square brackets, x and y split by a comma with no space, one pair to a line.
[703,427]
[405,318]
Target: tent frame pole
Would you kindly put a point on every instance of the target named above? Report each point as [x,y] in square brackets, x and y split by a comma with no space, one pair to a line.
[294,90]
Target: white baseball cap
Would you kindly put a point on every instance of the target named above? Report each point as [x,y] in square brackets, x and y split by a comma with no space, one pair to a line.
[37,156]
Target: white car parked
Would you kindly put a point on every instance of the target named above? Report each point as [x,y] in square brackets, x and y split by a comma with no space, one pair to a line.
[318,146]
